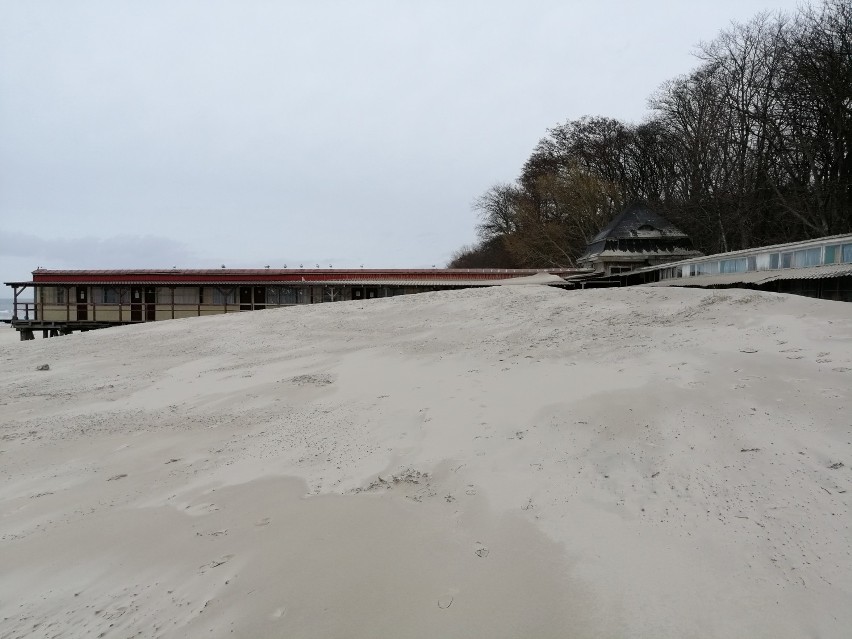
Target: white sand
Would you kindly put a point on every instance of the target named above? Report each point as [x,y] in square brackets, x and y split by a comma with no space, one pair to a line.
[7,334]
[508,462]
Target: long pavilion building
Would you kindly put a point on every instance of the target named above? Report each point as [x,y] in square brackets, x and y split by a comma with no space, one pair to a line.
[79,300]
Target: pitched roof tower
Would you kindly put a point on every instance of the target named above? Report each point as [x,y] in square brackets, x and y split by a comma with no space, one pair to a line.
[636,237]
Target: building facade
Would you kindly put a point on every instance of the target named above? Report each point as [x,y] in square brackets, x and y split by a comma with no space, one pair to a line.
[815,268]
[65,301]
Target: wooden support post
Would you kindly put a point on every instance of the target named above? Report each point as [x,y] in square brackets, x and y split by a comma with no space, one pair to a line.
[172,288]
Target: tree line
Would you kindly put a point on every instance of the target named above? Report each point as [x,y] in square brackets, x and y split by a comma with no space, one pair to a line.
[752,147]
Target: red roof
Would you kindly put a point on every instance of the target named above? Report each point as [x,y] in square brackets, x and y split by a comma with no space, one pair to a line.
[186,276]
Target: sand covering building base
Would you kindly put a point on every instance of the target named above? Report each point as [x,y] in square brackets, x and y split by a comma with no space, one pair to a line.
[509,462]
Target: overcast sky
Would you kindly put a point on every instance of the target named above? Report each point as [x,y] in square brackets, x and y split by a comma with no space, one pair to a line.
[198,133]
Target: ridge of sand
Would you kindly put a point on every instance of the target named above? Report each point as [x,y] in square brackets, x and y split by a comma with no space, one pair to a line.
[513,461]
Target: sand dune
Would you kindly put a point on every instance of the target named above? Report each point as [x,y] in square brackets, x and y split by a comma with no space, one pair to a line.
[509,462]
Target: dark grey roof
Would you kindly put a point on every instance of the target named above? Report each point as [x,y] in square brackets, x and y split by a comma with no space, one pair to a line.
[638,221]
[639,230]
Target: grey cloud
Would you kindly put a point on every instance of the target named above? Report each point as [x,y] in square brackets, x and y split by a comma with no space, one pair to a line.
[123,251]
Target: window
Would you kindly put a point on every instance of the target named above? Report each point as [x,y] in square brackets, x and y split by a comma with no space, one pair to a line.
[229,296]
[290,295]
[332,294]
[738,265]
[806,257]
[830,254]
[708,268]
[114,296]
[186,295]
[813,257]
[774,260]
[60,295]
[846,253]
[751,263]
[281,295]
[786,260]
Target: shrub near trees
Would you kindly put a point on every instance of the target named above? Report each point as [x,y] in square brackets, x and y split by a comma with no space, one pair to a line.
[753,147]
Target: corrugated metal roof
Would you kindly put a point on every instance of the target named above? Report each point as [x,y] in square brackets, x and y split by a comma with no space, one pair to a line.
[760,277]
[226,274]
[273,276]
[531,280]
[306,270]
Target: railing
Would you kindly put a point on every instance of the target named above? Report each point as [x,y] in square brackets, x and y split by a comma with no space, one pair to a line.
[24,311]
[103,312]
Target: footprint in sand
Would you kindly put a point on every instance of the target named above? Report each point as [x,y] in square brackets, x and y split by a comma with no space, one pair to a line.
[279,612]
[215,563]
[445,602]
[480,550]
[201,509]
[262,522]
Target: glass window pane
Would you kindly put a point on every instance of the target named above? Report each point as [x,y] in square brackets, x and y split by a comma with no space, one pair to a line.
[812,257]
[734,266]
[786,260]
[184,295]
[846,255]
[830,254]
[228,297]
[773,260]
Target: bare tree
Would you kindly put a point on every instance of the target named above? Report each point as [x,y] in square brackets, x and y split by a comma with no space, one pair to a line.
[754,146]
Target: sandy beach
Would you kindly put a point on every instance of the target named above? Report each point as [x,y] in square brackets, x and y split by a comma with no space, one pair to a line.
[505,462]
[7,335]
